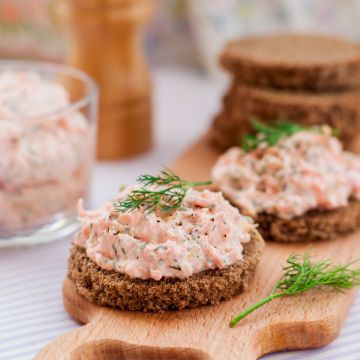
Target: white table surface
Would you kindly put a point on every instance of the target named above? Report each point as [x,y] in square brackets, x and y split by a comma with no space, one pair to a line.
[31,311]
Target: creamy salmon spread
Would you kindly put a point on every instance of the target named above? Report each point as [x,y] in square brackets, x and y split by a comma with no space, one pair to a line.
[308,170]
[45,153]
[205,233]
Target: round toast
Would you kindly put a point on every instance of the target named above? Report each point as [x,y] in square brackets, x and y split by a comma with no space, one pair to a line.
[205,288]
[312,226]
[340,110]
[311,62]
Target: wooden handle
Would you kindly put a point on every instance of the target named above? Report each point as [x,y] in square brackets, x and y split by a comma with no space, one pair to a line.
[97,339]
[80,344]
[65,345]
[118,350]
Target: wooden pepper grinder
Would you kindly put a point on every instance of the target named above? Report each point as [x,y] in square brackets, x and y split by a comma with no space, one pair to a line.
[105,42]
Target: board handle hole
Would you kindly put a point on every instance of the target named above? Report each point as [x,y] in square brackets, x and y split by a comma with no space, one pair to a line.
[119,350]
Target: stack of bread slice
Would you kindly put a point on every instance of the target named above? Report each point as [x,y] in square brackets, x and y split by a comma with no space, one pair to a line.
[309,79]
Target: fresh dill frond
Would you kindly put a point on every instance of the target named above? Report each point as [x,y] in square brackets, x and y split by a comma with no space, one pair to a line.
[164,192]
[270,134]
[165,177]
[301,274]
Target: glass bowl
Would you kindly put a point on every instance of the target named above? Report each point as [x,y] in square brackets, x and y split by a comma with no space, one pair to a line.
[48,119]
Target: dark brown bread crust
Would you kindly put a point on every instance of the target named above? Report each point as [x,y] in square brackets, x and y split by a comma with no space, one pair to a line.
[294,62]
[314,225]
[206,288]
[340,110]
[227,131]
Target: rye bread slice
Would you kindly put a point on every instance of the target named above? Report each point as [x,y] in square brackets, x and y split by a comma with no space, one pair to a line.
[340,110]
[227,131]
[312,226]
[205,288]
[292,61]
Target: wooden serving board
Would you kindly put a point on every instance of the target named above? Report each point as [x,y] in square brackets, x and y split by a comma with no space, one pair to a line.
[309,320]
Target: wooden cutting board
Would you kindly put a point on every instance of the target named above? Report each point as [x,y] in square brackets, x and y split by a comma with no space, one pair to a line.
[306,321]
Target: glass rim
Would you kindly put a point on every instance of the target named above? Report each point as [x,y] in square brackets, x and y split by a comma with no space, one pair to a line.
[53,68]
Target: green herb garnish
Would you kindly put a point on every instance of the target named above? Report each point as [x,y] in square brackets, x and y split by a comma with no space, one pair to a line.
[301,275]
[115,250]
[177,267]
[270,134]
[166,193]
[160,247]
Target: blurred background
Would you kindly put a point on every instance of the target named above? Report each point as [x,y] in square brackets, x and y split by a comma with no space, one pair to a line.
[186,33]
[157,112]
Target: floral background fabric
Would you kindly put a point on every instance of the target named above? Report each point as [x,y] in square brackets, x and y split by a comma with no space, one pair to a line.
[184,32]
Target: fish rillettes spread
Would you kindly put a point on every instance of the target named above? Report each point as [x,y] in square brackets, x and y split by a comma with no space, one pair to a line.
[305,171]
[45,153]
[206,232]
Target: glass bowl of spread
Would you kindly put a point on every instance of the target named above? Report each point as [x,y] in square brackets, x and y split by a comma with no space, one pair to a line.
[47,140]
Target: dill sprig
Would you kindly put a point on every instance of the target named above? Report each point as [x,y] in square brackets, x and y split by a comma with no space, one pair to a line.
[270,134]
[164,192]
[300,275]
